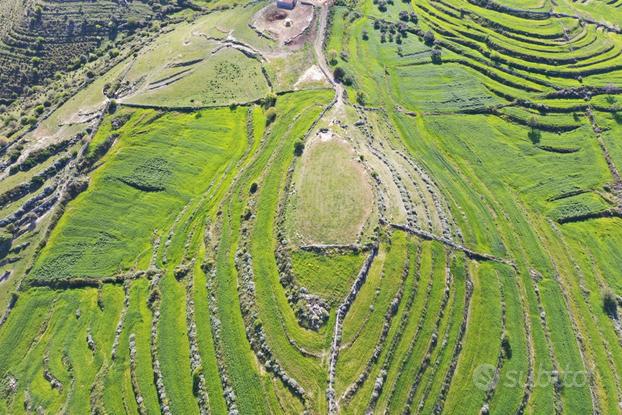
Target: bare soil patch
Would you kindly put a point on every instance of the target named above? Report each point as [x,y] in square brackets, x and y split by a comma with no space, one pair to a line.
[275,14]
[284,26]
[312,76]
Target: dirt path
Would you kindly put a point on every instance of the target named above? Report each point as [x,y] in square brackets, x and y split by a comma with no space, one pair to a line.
[318,45]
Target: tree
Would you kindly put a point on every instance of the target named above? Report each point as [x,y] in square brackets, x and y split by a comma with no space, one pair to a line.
[428,38]
[332,57]
[339,73]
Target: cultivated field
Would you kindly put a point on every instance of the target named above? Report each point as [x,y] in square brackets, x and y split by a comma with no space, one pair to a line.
[405,207]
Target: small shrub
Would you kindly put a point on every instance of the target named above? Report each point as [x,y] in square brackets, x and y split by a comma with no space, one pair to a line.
[269,101]
[299,148]
[270,116]
[506,346]
[339,73]
[196,381]
[36,182]
[534,136]
[610,303]
[428,38]
[360,98]
[27,121]
[5,243]
[436,56]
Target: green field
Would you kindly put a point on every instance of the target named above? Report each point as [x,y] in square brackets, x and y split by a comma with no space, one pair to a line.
[158,167]
[415,210]
[333,196]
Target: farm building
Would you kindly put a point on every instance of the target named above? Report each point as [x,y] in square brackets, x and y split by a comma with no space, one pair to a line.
[286,4]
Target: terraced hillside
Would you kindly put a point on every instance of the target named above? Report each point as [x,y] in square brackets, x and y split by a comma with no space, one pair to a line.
[40,37]
[361,207]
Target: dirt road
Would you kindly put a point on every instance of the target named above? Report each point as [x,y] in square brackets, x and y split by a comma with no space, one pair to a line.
[318,45]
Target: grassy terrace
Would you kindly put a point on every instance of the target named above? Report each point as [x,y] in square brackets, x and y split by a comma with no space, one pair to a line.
[447,146]
[277,317]
[444,238]
[316,216]
[146,165]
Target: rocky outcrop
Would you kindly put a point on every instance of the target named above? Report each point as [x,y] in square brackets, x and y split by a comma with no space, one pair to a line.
[196,362]
[140,401]
[120,324]
[154,306]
